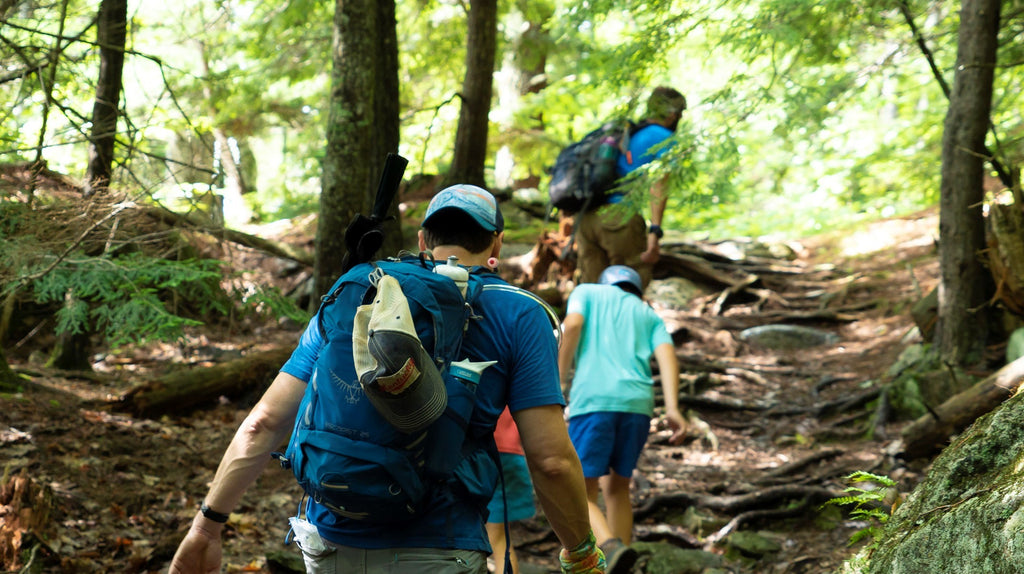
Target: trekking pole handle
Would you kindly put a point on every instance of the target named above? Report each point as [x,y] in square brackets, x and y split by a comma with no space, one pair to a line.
[390,179]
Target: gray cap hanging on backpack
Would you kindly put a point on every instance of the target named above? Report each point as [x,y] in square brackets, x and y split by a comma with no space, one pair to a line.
[396,372]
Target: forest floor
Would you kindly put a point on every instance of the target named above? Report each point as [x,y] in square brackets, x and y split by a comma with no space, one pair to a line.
[121,490]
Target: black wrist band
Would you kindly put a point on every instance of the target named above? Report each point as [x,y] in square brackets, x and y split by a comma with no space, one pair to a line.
[656,230]
[213,515]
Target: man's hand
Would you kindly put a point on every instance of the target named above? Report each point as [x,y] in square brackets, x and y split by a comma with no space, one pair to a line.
[653,253]
[200,551]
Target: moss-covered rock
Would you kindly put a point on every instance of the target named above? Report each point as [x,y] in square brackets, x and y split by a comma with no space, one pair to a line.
[664,558]
[967,516]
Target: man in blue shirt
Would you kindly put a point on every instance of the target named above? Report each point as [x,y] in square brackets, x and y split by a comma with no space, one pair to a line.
[607,236]
[462,221]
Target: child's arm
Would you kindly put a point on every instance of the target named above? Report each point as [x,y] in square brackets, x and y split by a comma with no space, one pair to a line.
[668,366]
[572,326]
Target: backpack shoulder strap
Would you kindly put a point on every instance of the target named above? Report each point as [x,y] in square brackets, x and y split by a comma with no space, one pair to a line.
[628,134]
[552,315]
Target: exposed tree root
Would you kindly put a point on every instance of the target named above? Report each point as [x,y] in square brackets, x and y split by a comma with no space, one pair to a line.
[735,502]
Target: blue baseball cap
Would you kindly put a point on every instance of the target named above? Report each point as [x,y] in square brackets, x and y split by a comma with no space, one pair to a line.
[475,201]
[621,274]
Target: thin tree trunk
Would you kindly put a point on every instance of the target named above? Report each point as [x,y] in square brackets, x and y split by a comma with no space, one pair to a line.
[39,165]
[966,286]
[111,34]
[470,152]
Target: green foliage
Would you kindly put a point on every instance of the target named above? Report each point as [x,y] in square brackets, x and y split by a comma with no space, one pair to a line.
[136,299]
[811,114]
[270,301]
[123,296]
[867,503]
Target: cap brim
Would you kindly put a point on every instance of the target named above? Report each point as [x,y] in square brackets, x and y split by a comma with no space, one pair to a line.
[406,388]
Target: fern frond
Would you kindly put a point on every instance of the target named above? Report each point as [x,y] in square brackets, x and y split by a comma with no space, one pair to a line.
[864,476]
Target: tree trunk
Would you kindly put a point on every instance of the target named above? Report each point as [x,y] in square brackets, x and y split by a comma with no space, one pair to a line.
[965,285]
[1006,250]
[9,382]
[111,32]
[471,138]
[364,85]
[386,114]
[185,390]
[929,433]
[71,352]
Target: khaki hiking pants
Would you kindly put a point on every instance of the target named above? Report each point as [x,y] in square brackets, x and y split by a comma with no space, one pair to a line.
[607,236]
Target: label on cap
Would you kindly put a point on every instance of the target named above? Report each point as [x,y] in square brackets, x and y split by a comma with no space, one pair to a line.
[398,382]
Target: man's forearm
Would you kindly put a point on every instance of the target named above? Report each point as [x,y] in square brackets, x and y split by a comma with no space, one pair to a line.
[563,497]
[263,430]
[556,472]
[659,200]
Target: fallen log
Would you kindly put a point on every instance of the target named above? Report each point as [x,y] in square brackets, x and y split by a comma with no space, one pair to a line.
[183,390]
[929,433]
[277,249]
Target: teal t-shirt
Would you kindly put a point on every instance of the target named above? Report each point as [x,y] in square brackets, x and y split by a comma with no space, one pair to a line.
[613,359]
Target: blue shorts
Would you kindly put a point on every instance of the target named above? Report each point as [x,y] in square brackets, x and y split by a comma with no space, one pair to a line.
[518,491]
[609,440]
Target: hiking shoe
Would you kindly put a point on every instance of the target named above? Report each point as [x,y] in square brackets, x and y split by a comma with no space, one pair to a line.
[619,557]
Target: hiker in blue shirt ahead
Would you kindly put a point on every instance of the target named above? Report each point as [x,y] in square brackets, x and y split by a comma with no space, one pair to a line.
[610,236]
[610,335]
[449,536]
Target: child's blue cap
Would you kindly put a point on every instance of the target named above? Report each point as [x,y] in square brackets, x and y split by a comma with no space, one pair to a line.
[621,274]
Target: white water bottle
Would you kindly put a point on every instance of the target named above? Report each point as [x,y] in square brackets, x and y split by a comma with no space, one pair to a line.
[456,272]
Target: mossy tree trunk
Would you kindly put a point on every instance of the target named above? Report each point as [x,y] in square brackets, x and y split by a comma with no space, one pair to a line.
[362,125]
[9,381]
[966,286]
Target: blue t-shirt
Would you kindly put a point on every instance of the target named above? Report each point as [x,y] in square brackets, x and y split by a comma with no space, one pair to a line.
[640,145]
[613,359]
[515,331]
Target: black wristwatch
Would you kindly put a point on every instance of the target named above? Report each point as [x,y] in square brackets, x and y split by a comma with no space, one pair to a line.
[656,230]
[213,515]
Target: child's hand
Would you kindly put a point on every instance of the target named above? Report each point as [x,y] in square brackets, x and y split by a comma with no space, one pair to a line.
[678,424]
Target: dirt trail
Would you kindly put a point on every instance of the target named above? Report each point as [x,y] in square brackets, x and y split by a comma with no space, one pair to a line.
[124,489]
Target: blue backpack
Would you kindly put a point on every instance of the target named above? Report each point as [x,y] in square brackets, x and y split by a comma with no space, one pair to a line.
[348,457]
